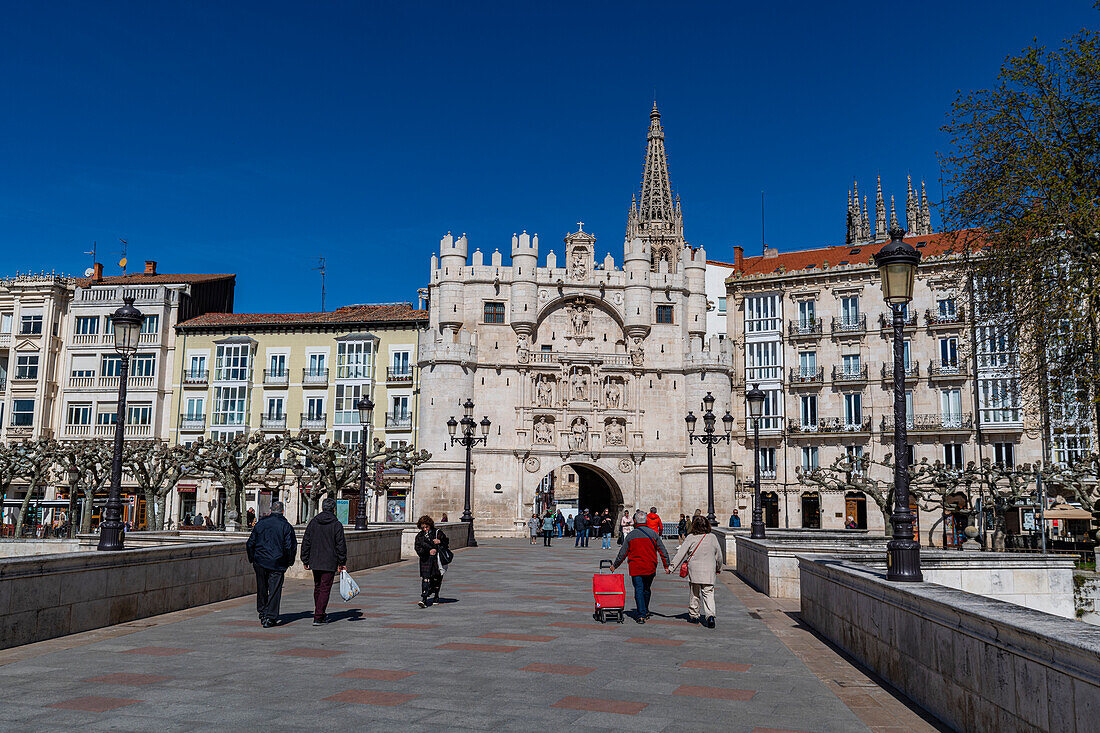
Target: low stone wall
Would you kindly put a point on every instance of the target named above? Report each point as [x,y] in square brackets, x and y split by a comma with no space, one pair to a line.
[975,663]
[27,548]
[458,534]
[730,534]
[771,565]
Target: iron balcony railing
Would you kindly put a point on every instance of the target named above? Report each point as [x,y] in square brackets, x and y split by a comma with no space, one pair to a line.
[842,374]
[935,318]
[193,423]
[886,322]
[314,377]
[276,377]
[931,423]
[196,377]
[850,325]
[273,422]
[399,375]
[313,421]
[949,370]
[804,327]
[398,421]
[912,371]
[804,376]
[829,425]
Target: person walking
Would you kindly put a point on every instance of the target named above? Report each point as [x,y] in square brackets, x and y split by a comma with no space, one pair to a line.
[324,552]
[580,528]
[559,522]
[533,526]
[642,549]
[681,528]
[653,521]
[703,556]
[625,525]
[547,529]
[607,528]
[271,548]
[429,541]
[735,520]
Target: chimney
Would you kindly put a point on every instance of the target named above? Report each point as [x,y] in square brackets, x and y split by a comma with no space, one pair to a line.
[738,256]
[770,252]
[97,272]
[150,267]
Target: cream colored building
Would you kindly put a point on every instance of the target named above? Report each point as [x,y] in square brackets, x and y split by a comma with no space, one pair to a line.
[279,372]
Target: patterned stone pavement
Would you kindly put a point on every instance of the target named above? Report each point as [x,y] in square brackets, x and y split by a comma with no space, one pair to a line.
[514,647]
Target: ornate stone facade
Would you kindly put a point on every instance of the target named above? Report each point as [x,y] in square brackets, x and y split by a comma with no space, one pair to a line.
[576,362]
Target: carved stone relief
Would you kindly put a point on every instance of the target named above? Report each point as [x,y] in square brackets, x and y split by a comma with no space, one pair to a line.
[578,434]
[543,432]
[544,391]
[614,394]
[615,432]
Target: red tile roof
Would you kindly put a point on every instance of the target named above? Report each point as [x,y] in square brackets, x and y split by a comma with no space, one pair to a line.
[140,278]
[348,315]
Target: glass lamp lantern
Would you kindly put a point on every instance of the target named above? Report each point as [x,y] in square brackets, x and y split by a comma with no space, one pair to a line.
[452,426]
[755,397]
[690,420]
[126,324]
[897,266]
[366,410]
[485,423]
[727,422]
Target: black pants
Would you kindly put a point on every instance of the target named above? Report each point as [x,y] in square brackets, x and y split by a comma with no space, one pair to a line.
[430,586]
[547,534]
[269,591]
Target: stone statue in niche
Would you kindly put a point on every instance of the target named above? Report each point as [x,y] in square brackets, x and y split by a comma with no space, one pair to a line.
[544,431]
[615,433]
[637,354]
[580,385]
[578,435]
[614,394]
[579,319]
[578,267]
[544,391]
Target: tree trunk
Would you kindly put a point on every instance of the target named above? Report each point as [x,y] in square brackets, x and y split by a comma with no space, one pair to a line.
[888,528]
[86,515]
[162,510]
[21,518]
[150,510]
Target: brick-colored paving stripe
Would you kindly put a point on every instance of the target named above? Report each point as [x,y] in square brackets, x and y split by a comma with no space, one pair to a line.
[573,625]
[536,598]
[158,651]
[93,703]
[241,622]
[713,693]
[598,705]
[258,635]
[371,697]
[567,585]
[455,646]
[653,642]
[128,678]
[558,669]
[509,612]
[389,675]
[716,666]
[517,637]
[777,730]
[310,653]
[412,626]
[373,614]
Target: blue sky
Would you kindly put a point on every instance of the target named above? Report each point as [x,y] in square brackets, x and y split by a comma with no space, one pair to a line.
[254,137]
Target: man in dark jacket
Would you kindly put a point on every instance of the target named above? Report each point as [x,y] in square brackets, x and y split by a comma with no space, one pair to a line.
[580,526]
[642,548]
[271,548]
[325,552]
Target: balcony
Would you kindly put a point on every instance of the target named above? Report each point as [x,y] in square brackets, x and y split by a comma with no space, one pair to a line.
[273,422]
[193,423]
[842,375]
[313,422]
[81,382]
[398,421]
[850,326]
[804,328]
[5,339]
[936,320]
[931,423]
[78,431]
[912,372]
[25,377]
[149,338]
[276,378]
[1002,419]
[767,474]
[568,357]
[828,425]
[143,381]
[86,339]
[315,377]
[399,376]
[803,377]
[196,378]
[941,371]
[886,322]
[132,432]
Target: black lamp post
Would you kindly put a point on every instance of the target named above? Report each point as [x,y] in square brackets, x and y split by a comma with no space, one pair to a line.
[126,324]
[468,439]
[755,398]
[366,412]
[897,265]
[709,439]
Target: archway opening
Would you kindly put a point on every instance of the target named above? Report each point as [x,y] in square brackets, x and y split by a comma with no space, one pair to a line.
[811,510]
[855,511]
[576,487]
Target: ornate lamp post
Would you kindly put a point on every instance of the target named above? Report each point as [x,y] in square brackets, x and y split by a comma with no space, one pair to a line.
[755,397]
[366,413]
[468,439]
[126,322]
[897,265]
[709,439]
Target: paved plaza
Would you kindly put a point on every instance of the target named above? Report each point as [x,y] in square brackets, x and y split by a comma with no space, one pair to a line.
[513,648]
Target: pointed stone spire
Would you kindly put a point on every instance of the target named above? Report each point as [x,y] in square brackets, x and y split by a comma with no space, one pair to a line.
[893,214]
[849,228]
[912,224]
[880,212]
[865,230]
[925,212]
[655,215]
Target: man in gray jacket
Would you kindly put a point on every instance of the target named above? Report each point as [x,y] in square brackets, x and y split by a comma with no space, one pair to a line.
[325,552]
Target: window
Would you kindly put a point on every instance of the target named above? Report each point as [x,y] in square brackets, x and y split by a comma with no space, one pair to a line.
[949,352]
[140,413]
[951,407]
[26,366]
[106,414]
[144,365]
[909,408]
[111,366]
[22,413]
[231,362]
[198,366]
[809,411]
[772,417]
[494,312]
[953,455]
[5,322]
[999,400]
[346,413]
[762,360]
[275,408]
[767,463]
[229,405]
[1070,448]
[807,315]
[1004,454]
[151,324]
[395,444]
[196,408]
[850,365]
[911,454]
[945,307]
[807,364]
[316,365]
[996,347]
[853,410]
[347,436]
[80,414]
[761,313]
[30,324]
[276,365]
[400,363]
[401,407]
[849,311]
[87,325]
[354,359]
[315,408]
[906,351]
[722,306]
[664,314]
[855,454]
[547,348]
[809,458]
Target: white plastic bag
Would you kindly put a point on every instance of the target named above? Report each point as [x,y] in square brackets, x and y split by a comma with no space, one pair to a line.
[348,587]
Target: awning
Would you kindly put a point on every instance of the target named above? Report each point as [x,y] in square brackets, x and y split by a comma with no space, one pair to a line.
[1065,511]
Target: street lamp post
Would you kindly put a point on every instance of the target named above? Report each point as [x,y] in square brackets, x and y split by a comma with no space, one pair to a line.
[468,439]
[709,439]
[366,412]
[126,324]
[897,264]
[755,398]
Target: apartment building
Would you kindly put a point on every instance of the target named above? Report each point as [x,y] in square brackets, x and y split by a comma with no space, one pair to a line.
[813,331]
[293,372]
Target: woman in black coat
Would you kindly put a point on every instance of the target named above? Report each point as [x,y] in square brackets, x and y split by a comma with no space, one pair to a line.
[429,541]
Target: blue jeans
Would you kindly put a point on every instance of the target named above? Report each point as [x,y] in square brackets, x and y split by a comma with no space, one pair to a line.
[607,541]
[582,538]
[642,585]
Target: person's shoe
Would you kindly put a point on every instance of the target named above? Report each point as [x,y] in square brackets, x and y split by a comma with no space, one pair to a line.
[693,619]
[640,619]
[318,622]
[710,622]
[649,614]
[435,599]
[422,604]
[267,623]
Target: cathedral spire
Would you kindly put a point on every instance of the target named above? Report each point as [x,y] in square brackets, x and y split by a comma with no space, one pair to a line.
[912,216]
[893,213]
[880,212]
[657,216]
[925,212]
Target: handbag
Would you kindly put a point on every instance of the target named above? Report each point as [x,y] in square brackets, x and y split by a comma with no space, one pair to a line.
[348,587]
[684,564]
[444,554]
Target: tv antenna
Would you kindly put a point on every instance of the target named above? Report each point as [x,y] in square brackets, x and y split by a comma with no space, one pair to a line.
[92,254]
[122,261]
[321,268]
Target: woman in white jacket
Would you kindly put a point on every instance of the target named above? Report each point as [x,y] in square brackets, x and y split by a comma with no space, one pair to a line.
[703,556]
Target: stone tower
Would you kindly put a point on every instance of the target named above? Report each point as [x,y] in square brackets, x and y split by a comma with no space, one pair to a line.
[655,215]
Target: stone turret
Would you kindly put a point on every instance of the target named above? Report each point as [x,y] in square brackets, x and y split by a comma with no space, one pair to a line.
[638,297]
[694,264]
[452,264]
[524,300]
